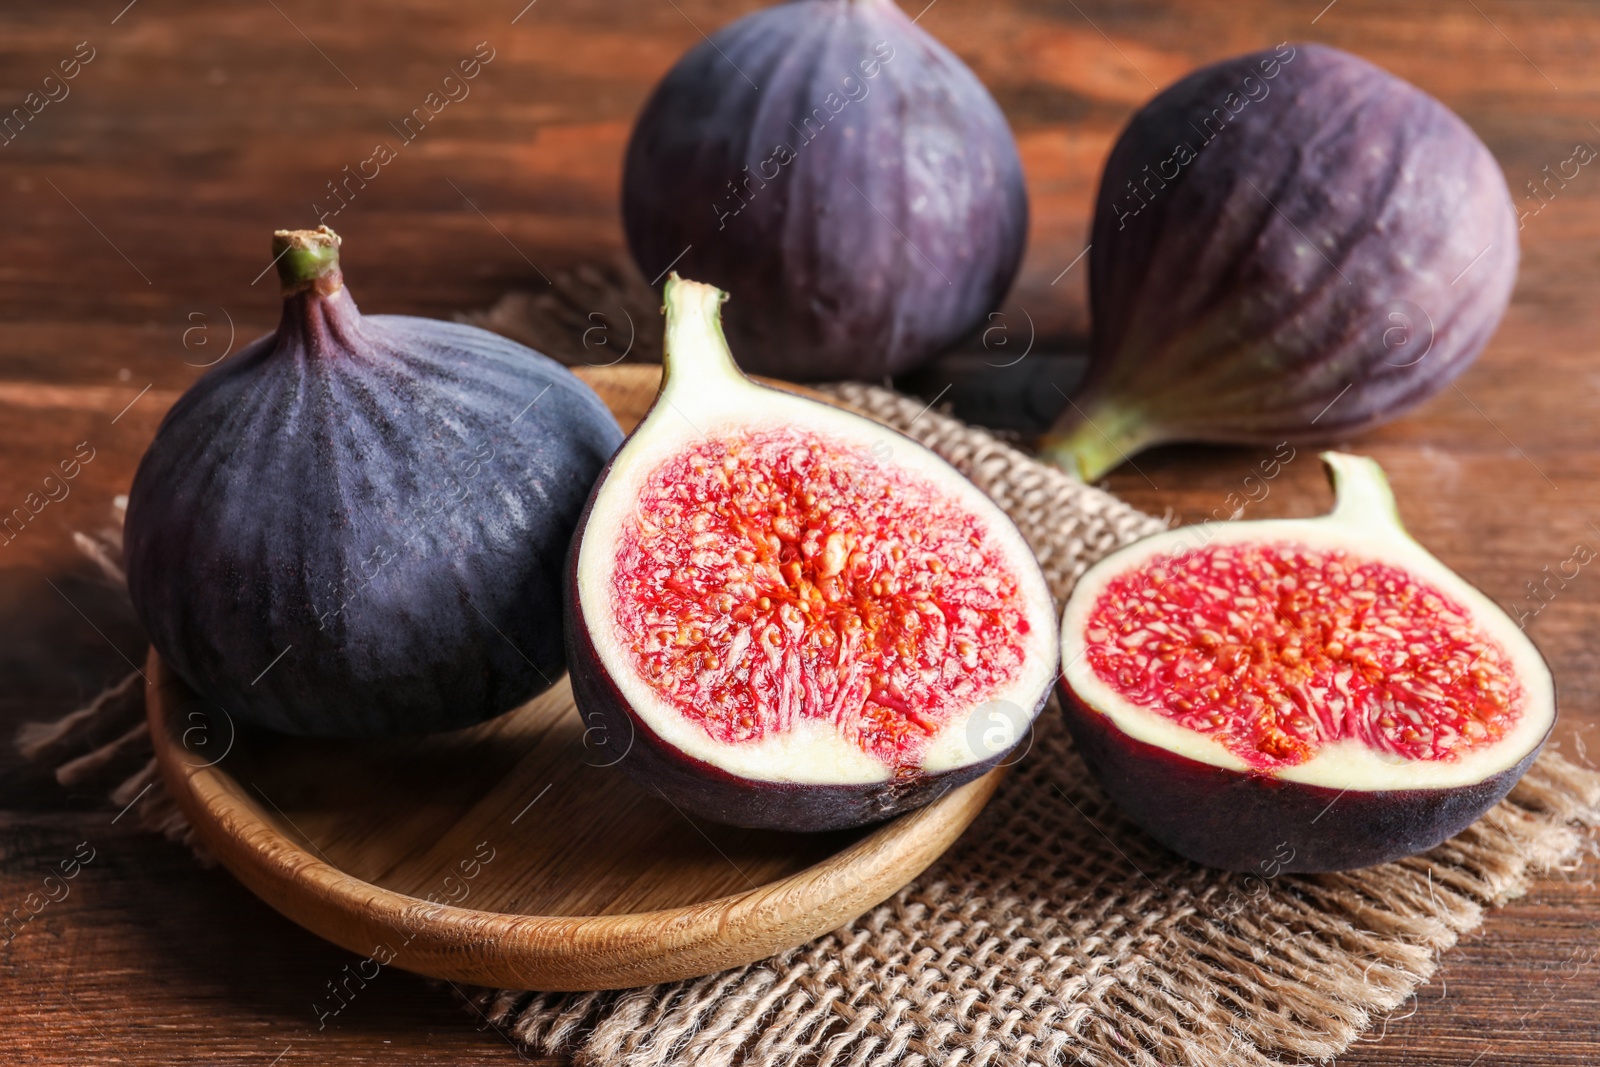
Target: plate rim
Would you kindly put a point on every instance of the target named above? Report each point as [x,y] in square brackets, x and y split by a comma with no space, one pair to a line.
[548,952]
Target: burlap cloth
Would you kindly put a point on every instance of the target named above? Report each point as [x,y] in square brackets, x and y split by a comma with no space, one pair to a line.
[1053,932]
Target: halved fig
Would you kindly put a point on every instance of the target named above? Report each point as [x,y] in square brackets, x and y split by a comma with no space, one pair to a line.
[1299,694]
[782,614]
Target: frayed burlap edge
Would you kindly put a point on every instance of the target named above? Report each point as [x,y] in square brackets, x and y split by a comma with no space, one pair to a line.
[1053,932]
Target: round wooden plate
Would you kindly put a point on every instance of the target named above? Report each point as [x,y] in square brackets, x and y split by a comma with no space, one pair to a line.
[510,854]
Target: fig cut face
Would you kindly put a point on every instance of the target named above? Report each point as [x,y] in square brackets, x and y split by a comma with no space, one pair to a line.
[1262,671]
[789,615]
[771,578]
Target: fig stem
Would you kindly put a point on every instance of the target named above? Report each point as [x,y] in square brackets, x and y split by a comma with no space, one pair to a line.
[1362,495]
[307,259]
[696,351]
[1103,439]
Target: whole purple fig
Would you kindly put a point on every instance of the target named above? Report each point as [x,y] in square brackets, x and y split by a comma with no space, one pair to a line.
[357,525]
[1288,245]
[843,175]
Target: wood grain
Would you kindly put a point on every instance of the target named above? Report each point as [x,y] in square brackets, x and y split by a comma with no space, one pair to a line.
[200,127]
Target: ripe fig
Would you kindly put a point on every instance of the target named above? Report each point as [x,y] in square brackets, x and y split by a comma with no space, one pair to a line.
[357,524]
[783,614]
[843,174]
[1299,694]
[1287,245]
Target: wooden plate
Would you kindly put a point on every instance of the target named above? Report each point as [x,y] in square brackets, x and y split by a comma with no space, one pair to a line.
[509,854]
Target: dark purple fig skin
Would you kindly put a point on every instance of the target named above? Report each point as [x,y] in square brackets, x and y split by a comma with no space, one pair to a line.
[1252,822]
[399,453]
[895,228]
[700,788]
[1308,273]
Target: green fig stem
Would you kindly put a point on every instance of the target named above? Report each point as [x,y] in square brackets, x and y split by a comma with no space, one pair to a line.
[696,351]
[1103,439]
[1362,496]
[307,259]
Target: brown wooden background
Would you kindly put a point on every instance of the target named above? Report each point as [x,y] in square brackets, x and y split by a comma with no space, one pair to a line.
[137,211]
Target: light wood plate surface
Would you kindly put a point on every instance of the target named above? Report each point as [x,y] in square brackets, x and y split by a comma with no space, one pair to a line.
[509,854]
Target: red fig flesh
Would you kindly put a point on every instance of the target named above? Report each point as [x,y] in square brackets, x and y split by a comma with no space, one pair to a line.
[1323,687]
[787,615]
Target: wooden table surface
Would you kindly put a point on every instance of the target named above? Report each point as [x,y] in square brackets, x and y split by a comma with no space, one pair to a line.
[136,213]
